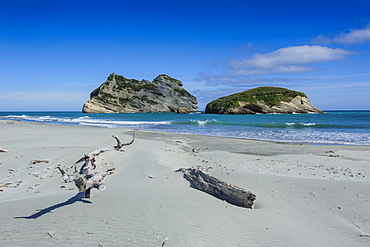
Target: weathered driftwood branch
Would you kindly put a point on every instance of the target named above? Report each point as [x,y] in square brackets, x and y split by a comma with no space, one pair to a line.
[218,188]
[85,179]
[34,162]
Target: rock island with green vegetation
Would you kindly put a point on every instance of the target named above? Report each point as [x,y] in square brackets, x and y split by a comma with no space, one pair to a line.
[262,100]
[119,94]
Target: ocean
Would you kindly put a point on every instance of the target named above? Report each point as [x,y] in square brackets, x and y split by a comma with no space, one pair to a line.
[331,127]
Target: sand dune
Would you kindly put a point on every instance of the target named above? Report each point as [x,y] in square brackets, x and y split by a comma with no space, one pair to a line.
[306,195]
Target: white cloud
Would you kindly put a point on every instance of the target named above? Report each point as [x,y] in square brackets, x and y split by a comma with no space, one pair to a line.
[287,60]
[355,36]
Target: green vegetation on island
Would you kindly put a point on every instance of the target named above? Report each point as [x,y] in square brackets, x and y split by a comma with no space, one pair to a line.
[261,100]
[270,95]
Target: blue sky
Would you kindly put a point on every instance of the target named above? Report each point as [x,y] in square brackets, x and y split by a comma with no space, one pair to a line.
[54,53]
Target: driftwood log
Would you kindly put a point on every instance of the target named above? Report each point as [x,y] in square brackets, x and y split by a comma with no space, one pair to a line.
[85,179]
[218,188]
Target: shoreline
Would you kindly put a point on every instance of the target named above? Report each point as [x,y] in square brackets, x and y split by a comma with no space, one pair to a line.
[315,129]
[205,135]
[307,195]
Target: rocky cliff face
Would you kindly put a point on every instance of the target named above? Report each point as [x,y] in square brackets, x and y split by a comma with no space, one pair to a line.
[263,100]
[119,94]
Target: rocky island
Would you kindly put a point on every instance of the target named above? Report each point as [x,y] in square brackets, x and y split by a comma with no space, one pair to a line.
[262,100]
[119,94]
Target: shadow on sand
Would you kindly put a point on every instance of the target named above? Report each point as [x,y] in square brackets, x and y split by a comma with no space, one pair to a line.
[79,197]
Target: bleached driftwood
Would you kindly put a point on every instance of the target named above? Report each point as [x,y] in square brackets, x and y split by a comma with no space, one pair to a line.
[3,150]
[218,188]
[34,162]
[85,179]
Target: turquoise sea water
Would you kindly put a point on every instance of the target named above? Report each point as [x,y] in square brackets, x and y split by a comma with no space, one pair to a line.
[332,127]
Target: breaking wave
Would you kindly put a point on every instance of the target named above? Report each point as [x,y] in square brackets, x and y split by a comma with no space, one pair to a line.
[351,128]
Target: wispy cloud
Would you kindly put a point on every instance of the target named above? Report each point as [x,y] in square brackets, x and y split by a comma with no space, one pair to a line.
[231,80]
[41,100]
[42,96]
[353,37]
[246,47]
[288,60]
[77,85]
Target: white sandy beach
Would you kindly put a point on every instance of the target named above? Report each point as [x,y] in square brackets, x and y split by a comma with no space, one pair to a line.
[307,195]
